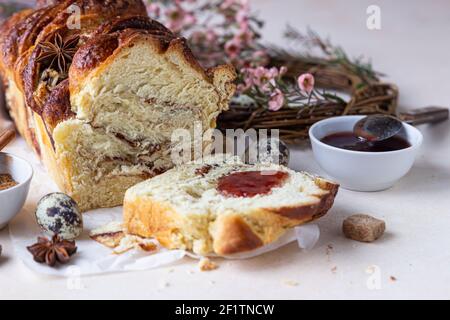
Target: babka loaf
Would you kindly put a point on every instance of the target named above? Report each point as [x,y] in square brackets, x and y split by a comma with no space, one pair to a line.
[224,206]
[98,102]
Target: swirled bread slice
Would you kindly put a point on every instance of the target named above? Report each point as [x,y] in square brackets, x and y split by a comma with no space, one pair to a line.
[224,206]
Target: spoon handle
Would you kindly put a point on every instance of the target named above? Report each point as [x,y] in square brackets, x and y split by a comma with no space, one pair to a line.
[425,115]
[6,137]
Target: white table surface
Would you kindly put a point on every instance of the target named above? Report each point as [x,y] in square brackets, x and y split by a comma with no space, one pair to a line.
[412,49]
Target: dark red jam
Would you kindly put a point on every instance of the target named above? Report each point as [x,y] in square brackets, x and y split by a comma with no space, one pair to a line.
[250,183]
[349,141]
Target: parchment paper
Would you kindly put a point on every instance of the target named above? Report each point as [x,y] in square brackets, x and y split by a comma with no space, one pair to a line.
[94,258]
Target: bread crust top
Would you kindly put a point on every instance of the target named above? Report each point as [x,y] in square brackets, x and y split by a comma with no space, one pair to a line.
[106,26]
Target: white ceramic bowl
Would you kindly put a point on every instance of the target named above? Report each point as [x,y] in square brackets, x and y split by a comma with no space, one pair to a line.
[13,199]
[362,171]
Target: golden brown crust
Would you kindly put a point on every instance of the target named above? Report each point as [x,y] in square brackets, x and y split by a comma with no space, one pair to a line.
[111,8]
[57,107]
[19,47]
[22,116]
[90,55]
[230,233]
[133,22]
[110,239]
[179,48]
[26,30]
[111,36]
[55,168]
[122,32]
[34,68]
[314,211]
[147,218]
[19,39]
[5,30]
[234,235]
[21,36]
[21,30]
[118,33]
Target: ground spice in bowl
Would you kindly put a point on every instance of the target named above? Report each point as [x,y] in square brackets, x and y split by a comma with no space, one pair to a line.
[6,181]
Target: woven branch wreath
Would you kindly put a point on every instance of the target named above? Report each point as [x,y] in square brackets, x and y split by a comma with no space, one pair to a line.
[273,88]
[368,95]
[277,88]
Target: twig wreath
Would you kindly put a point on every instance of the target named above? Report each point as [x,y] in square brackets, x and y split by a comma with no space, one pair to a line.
[365,93]
[278,88]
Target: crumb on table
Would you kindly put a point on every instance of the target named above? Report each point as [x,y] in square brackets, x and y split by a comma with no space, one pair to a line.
[291,283]
[206,264]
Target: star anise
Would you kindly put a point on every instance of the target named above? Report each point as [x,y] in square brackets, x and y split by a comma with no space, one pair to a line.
[58,52]
[52,251]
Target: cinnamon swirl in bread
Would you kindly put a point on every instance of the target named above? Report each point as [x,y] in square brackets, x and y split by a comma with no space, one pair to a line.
[99,103]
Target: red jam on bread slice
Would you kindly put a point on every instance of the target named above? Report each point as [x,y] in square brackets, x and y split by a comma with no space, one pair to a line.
[249,184]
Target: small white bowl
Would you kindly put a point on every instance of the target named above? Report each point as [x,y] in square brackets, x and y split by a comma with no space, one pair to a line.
[13,199]
[362,171]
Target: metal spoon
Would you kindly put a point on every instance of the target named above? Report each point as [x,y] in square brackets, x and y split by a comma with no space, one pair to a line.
[377,127]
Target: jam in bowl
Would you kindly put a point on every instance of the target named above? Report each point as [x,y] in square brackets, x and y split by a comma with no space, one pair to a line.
[349,141]
[360,165]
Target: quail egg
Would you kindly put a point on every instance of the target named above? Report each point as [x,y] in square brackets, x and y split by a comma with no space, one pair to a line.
[271,150]
[57,213]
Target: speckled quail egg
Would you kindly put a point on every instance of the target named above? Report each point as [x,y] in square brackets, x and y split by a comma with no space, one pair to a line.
[271,150]
[57,213]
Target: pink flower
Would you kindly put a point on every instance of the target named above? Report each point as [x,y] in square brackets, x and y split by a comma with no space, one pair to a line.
[248,80]
[197,36]
[243,4]
[189,19]
[243,87]
[242,17]
[233,48]
[200,37]
[245,35]
[306,82]
[263,78]
[272,73]
[260,58]
[154,9]
[211,35]
[259,72]
[227,4]
[179,18]
[276,101]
